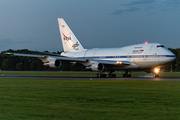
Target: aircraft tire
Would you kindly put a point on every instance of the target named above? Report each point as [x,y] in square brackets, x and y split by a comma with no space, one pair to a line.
[129,75]
[156,75]
[102,75]
[114,75]
[97,75]
[124,75]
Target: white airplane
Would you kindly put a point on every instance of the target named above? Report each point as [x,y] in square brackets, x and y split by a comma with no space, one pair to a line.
[149,57]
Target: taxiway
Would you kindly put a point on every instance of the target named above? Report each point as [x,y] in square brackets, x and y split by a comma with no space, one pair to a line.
[94,78]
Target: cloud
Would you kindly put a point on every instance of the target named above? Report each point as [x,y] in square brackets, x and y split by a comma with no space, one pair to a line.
[147,5]
[140,2]
[134,6]
[170,5]
[120,12]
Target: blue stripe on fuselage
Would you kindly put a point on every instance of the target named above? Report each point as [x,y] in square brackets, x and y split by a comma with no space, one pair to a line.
[133,56]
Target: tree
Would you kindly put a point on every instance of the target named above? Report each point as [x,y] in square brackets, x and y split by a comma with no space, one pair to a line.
[33,66]
[5,64]
[19,66]
[177,65]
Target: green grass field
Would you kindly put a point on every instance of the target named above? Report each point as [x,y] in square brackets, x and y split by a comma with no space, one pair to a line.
[43,99]
[90,74]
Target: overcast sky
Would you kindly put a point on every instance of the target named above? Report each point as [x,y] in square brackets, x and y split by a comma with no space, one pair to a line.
[32,24]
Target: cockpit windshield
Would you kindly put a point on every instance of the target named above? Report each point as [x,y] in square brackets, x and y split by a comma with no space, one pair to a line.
[160,46]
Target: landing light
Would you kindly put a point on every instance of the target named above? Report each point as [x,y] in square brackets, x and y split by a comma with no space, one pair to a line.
[119,62]
[156,70]
[146,42]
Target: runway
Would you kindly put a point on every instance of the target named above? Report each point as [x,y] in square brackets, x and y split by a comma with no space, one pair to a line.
[94,78]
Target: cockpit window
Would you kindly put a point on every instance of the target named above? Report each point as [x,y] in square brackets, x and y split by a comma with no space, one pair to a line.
[160,45]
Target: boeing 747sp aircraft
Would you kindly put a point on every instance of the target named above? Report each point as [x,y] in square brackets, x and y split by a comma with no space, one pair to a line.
[149,57]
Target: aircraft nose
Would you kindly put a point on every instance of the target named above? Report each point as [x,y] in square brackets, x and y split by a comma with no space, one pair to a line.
[172,56]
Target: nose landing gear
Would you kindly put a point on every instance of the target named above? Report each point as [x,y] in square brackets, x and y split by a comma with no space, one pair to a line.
[156,75]
[157,71]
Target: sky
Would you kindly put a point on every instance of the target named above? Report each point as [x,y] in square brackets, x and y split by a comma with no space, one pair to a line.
[32,24]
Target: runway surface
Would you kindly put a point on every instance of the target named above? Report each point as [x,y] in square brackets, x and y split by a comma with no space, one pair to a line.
[94,78]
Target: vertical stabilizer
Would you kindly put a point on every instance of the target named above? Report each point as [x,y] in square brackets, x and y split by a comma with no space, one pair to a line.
[69,40]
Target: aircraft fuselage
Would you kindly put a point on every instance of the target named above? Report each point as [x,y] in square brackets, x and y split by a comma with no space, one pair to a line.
[141,56]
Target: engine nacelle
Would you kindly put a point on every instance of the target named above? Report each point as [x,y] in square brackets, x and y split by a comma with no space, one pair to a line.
[54,63]
[97,67]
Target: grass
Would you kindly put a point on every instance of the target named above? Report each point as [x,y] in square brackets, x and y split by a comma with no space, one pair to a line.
[84,73]
[88,99]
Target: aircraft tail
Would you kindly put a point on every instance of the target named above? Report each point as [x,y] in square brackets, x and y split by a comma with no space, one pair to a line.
[69,40]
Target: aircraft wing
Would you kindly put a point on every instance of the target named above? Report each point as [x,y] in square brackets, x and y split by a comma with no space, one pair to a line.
[46,56]
[27,55]
[73,59]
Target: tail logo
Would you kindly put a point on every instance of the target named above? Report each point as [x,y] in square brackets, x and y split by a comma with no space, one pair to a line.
[65,37]
[75,45]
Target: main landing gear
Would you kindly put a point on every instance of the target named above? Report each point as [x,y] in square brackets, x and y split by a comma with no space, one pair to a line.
[106,74]
[126,74]
[110,74]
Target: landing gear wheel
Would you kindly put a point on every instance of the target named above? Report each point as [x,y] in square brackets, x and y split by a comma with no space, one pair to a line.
[129,75]
[109,75]
[100,75]
[126,74]
[156,75]
[114,75]
[104,75]
[97,75]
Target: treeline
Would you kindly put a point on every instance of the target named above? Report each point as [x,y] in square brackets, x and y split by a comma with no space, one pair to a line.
[175,66]
[13,63]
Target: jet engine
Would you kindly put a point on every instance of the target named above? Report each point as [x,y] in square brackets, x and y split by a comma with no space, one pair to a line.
[54,63]
[97,67]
